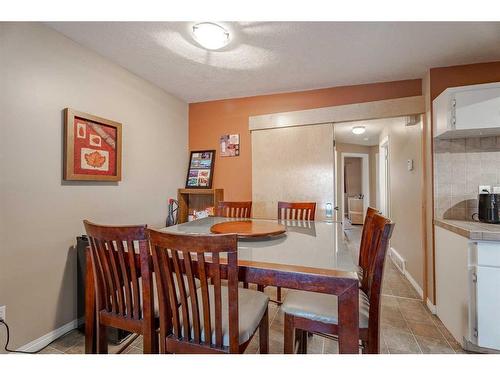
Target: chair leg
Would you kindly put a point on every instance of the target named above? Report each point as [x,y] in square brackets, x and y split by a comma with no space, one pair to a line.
[150,342]
[364,348]
[264,334]
[102,339]
[371,347]
[289,330]
[278,295]
[260,288]
[303,342]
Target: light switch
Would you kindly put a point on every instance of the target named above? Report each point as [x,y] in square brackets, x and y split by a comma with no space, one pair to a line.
[409,163]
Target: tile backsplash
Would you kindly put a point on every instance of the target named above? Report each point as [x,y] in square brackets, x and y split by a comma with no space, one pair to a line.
[460,166]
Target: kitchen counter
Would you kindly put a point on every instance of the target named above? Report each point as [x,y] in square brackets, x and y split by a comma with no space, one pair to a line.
[471,229]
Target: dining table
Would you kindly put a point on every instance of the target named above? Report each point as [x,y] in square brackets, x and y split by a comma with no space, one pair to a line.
[310,256]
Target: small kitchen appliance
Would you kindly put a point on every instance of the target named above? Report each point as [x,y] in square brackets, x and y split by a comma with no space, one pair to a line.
[489,208]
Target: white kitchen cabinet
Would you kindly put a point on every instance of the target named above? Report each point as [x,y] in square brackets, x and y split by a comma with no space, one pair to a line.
[467,111]
[452,282]
[485,294]
[468,289]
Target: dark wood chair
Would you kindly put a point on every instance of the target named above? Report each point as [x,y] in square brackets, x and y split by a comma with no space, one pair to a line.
[241,210]
[235,209]
[214,318]
[121,265]
[296,210]
[317,313]
[364,246]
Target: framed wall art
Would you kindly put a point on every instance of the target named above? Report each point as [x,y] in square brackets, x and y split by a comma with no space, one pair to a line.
[230,145]
[200,170]
[92,147]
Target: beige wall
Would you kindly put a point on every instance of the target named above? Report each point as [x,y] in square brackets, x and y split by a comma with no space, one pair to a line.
[292,164]
[405,142]
[41,73]
[353,177]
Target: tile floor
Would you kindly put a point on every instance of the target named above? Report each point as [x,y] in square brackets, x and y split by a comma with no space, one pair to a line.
[407,325]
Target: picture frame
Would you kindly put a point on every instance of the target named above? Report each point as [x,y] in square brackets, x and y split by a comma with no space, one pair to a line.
[92,147]
[229,145]
[200,169]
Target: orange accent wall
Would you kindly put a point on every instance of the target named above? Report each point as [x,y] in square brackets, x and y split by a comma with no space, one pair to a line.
[463,75]
[209,120]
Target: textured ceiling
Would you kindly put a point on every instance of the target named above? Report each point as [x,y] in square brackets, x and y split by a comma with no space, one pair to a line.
[271,57]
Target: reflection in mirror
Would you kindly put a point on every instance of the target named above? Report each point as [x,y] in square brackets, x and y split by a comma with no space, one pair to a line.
[300,226]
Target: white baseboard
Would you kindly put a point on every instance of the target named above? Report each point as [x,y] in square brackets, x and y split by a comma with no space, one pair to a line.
[398,260]
[431,307]
[400,264]
[412,281]
[40,342]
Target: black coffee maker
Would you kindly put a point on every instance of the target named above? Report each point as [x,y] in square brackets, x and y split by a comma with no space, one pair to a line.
[489,207]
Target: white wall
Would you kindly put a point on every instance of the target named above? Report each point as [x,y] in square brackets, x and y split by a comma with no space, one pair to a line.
[405,191]
[41,73]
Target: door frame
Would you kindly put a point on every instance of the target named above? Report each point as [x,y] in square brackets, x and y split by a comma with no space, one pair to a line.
[384,177]
[365,179]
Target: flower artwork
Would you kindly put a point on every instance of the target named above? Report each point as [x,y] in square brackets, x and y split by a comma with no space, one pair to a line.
[92,148]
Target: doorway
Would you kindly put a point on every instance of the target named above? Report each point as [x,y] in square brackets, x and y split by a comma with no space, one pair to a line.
[355,186]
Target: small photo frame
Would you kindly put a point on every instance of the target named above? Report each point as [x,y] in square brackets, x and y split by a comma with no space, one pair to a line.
[230,145]
[200,170]
[92,147]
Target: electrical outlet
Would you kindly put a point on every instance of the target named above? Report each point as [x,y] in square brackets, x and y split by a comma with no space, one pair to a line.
[484,189]
[3,311]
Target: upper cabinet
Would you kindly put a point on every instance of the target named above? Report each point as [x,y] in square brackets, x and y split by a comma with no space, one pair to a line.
[468,111]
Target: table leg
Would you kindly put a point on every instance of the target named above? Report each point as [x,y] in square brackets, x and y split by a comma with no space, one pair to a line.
[90,313]
[348,305]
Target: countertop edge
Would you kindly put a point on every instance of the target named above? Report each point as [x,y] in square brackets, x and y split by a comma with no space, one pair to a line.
[471,230]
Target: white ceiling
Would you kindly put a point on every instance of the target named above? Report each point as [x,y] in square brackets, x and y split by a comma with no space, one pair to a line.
[271,57]
[343,132]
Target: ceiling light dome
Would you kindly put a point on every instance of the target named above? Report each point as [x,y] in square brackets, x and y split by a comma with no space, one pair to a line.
[358,130]
[210,35]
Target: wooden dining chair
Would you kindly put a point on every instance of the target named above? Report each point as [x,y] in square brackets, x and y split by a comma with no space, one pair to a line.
[296,210]
[301,211]
[214,318]
[234,209]
[318,313]
[364,246]
[121,266]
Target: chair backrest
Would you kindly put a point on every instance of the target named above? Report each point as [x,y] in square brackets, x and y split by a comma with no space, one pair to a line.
[296,210]
[379,233]
[120,256]
[364,246]
[234,209]
[195,256]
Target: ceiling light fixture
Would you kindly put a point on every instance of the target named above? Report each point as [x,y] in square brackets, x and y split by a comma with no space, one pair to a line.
[358,130]
[210,35]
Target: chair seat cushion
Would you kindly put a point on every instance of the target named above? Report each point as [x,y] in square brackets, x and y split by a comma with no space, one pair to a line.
[322,307]
[251,308]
